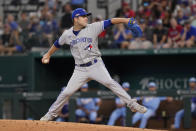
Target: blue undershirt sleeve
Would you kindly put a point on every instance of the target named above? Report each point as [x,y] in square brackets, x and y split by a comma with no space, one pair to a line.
[107,23]
[56,44]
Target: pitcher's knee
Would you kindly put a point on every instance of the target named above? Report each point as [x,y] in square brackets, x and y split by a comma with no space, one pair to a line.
[109,83]
[67,93]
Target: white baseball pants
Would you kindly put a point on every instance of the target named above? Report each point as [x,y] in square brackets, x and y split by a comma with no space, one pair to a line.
[80,76]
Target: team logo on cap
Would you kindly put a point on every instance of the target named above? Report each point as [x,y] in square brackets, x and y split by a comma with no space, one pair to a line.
[77,14]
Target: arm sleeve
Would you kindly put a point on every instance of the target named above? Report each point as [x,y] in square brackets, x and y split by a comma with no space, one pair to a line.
[97,28]
[63,38]
[107,23]
[56,44]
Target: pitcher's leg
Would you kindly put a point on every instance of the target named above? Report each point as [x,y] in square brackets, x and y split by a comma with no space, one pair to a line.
[100,74]
[77,80]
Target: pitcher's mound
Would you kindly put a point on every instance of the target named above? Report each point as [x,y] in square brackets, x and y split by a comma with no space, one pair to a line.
[29,125]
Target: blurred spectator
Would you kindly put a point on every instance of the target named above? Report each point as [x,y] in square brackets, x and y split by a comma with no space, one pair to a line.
[33,2]
[63,116]
[121,34]
[125,11]
[180,113]
[145,10]
[15,45]
[12,23]
[87,108]
[188,35]
[152,103]
[66,21]
[51,3]
[2,49]
[1,26]
[166,19]
[143,42]
[23,22]
[49,28]
[34,36]
[120,110]
[157,9]
[78,3]
[174,35]
[193,7]
[43,13]
[53,6]
[185,8]
[5,39]
[181,18]
[24,26]
[34,25]
[159,34]
[6,35]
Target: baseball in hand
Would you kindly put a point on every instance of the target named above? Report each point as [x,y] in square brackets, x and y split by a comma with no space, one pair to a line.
[45,61]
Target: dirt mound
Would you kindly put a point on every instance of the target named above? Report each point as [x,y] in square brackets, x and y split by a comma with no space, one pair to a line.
[29,125]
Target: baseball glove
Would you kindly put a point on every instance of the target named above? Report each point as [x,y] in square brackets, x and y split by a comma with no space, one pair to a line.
[134,27]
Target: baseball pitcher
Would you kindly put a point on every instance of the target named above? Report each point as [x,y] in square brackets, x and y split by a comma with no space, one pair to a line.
[83,41]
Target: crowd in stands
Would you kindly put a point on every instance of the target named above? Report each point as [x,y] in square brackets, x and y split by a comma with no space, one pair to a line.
[165,24]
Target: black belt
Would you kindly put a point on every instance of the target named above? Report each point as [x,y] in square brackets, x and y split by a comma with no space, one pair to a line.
[87,64]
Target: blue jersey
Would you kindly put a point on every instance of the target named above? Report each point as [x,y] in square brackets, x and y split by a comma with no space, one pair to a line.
[83,44]
[121,38]
[190,33]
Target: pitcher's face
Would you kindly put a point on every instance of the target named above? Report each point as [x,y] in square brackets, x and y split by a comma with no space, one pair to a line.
[82,20]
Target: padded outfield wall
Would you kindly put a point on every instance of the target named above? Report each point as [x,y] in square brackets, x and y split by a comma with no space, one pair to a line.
[170,69]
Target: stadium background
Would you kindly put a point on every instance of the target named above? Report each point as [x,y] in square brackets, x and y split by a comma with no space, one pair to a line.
[28,88]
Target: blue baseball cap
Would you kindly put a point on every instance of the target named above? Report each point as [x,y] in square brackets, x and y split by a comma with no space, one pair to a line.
[192,79]
[85,86]
[125,85]
[152,84]
[79,12]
